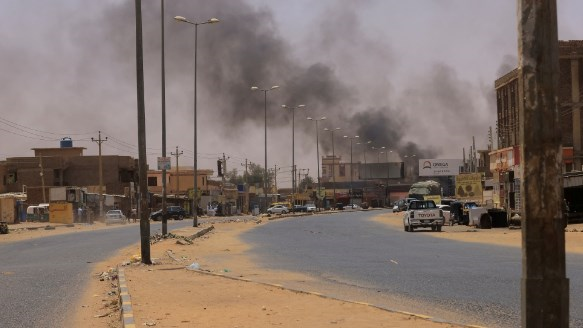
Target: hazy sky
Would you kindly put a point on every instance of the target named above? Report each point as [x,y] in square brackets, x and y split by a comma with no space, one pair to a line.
[414,76]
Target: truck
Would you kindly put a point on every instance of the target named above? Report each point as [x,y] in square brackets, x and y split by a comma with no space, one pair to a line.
[426,190]
[423,214]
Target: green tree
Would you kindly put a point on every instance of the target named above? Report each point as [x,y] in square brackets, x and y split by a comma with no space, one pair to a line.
[306,183]
[233,177]
[254,176]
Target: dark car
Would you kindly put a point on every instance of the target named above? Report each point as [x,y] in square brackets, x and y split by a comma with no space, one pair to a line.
[460,212]
[300,208]
[174,212]
[401,204]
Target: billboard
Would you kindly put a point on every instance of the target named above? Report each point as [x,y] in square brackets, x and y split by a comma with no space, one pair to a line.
[469,186]
[164,163]
[439,167]
[380,171]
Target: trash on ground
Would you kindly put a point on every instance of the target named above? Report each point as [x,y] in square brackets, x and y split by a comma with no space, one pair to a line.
[193,266]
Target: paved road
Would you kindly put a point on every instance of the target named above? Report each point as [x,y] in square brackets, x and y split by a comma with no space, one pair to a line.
[40,279]
[355,258]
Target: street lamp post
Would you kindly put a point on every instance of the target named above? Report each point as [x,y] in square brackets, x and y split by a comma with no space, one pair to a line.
[333,160]
[265,112]
[365,144]
[379,152]
[293,110]
[318,153]
[163,75]
[351,169]
[411,159]
[195,173]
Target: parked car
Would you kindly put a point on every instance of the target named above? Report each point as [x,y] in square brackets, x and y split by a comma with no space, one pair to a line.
[311,207]
[174,212]
[460,212]
[446,213]
[115,216]
[402,204]
[339,206]
[277,209]
[352,207]
[300,208]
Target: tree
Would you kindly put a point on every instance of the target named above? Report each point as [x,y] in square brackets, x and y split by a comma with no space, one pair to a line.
[254,176]
[306,183]
[233,177]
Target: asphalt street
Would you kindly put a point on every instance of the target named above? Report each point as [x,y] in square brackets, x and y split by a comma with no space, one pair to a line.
[41,279]
[354,258]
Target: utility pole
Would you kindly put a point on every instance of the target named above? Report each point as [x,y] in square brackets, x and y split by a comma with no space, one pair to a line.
[143,160]
[224,162]
[545,288]
[246,186]
[99,141]
[275,177]
[42,177]
[176,154]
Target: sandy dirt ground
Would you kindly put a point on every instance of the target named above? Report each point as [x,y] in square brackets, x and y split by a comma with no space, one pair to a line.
[229,290]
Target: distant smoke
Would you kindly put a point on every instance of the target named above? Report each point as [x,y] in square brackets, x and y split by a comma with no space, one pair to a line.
[346,77]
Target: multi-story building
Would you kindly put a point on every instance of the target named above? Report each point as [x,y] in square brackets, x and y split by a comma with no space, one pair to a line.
[66,166]
[505,161]
[570,90]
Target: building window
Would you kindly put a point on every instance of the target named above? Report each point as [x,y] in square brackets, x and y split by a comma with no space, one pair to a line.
[341,170]
[152,181]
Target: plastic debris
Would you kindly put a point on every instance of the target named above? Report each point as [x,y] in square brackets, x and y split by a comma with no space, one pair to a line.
[193,266]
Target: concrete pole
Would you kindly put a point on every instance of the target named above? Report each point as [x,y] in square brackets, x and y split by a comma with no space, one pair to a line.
[163,75]
[576,99]
[545,288]
[143,165]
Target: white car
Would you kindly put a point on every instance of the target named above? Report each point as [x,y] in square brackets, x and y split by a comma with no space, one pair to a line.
[115,216]
[277,209]
[352,207]
[446,213]
[310,208]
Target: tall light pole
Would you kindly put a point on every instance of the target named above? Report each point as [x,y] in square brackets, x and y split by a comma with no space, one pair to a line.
[293,110]
[365,144]
[318,152]
[379,152]
[351,169]
[163,75]
[195,173]
[410,157]
[265,167]
[333,161]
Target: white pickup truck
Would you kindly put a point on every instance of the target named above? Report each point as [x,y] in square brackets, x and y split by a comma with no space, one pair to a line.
[423,214]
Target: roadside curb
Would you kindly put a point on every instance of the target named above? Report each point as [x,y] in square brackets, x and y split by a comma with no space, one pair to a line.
[47,226]
[127,313]
[125,300]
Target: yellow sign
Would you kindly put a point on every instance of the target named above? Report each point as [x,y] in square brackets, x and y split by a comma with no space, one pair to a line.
[468,186]
[435,198]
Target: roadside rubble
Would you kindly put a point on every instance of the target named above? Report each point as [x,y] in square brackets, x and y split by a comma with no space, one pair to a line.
[181,240]
[109,306]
